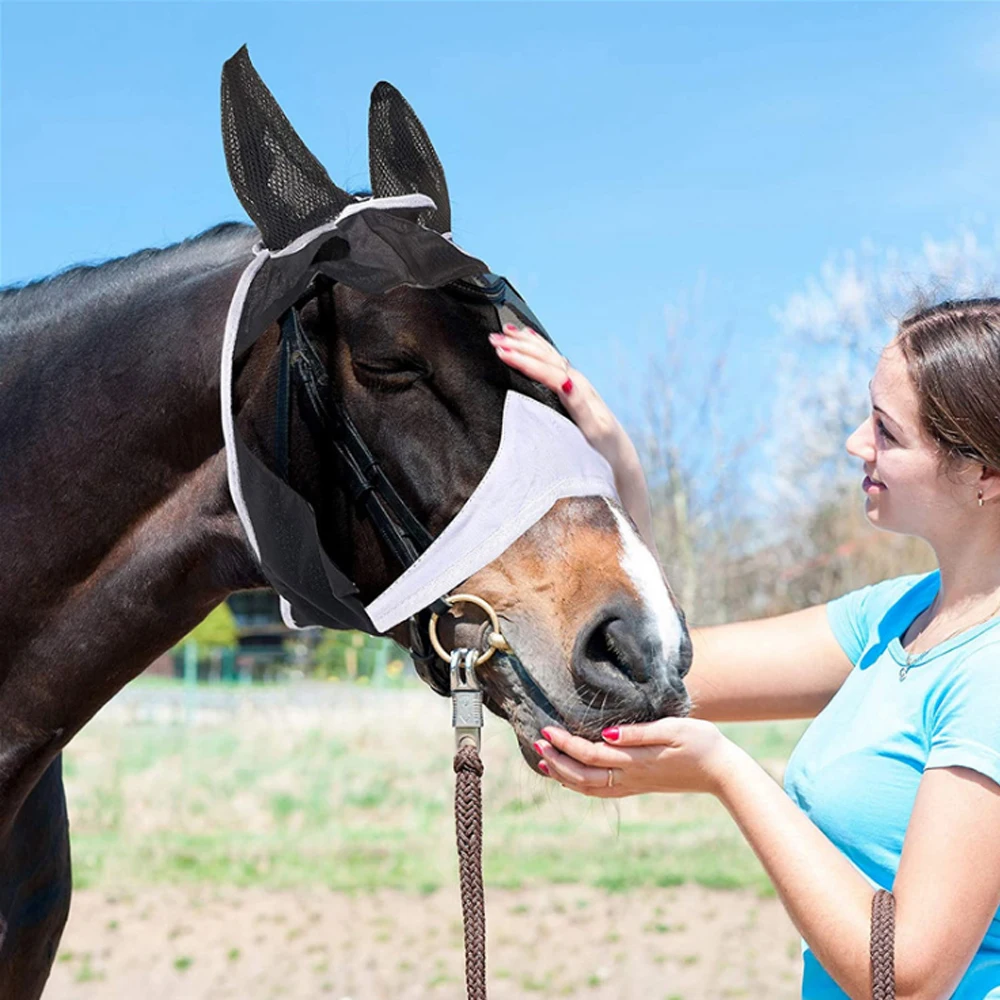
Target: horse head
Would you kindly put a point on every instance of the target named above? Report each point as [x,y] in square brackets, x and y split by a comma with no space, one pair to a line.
[595,635]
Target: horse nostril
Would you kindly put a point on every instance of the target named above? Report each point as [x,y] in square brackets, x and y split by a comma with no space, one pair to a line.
[613,642]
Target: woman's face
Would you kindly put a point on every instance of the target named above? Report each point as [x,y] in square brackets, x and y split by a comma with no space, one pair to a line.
[906,487]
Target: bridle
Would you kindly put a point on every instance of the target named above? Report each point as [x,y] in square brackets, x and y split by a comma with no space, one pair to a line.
[301,372]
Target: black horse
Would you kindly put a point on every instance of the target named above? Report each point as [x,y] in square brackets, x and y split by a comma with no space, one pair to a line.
[118,533]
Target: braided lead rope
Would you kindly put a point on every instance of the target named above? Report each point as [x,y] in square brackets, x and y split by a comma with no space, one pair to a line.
[467,721]
[469,834]
[882,955]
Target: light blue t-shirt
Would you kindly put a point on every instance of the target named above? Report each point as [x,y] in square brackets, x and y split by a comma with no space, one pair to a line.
[856,769]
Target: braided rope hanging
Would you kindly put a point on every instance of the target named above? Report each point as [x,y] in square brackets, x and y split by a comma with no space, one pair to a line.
[469,834]
[882,952]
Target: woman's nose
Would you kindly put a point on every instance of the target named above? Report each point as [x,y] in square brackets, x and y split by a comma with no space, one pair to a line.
[861,443]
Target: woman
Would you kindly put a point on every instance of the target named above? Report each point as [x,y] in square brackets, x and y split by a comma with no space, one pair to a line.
[897,782]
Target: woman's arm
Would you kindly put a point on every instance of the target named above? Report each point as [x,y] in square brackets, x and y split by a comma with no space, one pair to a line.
[785,667]
[826,898]
[824,895]
[527,351]
[630,481]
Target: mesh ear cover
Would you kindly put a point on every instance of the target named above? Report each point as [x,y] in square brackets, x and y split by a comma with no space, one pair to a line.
[401,159]
[283,187]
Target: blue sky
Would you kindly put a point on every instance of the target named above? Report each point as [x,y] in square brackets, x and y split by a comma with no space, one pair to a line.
[622,163]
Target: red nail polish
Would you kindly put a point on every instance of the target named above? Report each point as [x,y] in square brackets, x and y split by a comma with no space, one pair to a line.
[500,347]
[547,735]
[612,733]
[567,386]
[509,326]
[543,767]
[538,748]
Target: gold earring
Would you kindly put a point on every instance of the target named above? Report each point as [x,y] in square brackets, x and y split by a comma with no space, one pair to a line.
[980,498]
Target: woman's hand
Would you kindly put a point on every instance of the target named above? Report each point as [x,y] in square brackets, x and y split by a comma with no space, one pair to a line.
[529,352]
[669,755]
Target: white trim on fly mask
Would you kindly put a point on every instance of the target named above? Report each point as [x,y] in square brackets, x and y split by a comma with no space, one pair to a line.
[226,393]
[286,616]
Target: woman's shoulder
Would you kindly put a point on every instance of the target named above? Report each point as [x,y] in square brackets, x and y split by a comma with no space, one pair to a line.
[854,616]
[876,600]
[897,590]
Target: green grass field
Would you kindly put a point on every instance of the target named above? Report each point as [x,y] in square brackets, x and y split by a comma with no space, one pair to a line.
[352,789]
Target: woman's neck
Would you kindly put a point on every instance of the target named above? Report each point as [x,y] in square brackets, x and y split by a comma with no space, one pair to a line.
[970,572]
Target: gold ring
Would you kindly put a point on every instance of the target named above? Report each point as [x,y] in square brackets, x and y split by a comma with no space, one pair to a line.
[496,639]
[611,777]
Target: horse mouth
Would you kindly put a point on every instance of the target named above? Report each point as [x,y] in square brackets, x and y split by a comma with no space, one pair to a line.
[511,691]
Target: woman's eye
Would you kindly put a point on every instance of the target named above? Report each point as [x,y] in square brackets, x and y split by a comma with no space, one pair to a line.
[882,430]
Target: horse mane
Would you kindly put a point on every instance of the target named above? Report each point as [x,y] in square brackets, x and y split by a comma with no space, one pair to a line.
[43,301]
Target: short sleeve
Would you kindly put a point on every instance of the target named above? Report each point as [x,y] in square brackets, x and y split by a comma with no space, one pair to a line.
[849,620]
[853,616]
[964,719]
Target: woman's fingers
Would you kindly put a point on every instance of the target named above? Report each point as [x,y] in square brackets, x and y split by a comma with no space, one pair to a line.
[524,343]
[583,766]
[594,754]
[539,360]
[552,374]
[662,732]
[573,774]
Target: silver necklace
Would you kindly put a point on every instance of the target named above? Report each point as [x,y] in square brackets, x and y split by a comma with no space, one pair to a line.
[911,658]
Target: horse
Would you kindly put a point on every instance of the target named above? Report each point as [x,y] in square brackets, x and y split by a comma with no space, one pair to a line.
[119,534]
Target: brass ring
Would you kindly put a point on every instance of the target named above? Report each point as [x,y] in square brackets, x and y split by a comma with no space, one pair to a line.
[496,639]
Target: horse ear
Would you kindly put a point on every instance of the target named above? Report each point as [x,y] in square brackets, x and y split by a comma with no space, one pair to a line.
[283,187]
[401,159]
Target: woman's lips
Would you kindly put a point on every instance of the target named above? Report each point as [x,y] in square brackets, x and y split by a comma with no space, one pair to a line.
[871,486]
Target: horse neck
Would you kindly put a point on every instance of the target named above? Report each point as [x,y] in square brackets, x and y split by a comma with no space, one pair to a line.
[112,447]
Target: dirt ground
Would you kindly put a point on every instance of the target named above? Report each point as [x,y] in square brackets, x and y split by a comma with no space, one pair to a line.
[566,940]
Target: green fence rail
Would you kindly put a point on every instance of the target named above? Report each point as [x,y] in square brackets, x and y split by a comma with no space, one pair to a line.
[348,656]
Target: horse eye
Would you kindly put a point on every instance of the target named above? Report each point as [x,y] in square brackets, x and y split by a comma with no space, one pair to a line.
[388,366]
[393,372]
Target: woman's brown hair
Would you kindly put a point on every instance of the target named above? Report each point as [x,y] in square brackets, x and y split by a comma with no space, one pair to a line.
[952,351]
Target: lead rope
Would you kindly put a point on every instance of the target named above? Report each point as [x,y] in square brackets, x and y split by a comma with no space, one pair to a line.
[467,720]
[882,952]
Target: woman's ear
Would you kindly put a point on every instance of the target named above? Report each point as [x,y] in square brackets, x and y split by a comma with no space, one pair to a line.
[989,484]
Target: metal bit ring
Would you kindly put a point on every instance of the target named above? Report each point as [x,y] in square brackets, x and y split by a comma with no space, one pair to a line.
[496,639]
